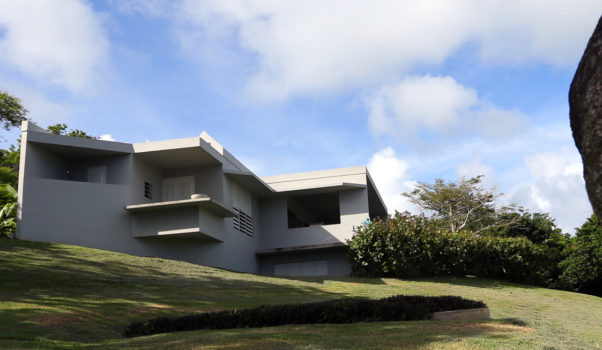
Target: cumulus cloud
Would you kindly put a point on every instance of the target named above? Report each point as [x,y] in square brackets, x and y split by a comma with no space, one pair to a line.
[315,47]
[57,42]
[106,137]
[557,187]
[476,167]
[440,105]
[391,177]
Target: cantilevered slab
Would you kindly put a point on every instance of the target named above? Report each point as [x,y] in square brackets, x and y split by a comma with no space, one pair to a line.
[206,203]
[299,248]
[324,179]
[250,181]
[186,234]
[78,146]
[323,188]
[179,153]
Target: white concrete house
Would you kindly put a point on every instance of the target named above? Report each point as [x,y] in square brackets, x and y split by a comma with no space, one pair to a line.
[189,199]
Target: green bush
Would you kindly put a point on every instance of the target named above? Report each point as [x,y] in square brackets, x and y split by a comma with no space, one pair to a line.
[395,308]
[407,245]
[582,268]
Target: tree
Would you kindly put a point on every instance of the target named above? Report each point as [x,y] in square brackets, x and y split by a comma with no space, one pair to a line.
[8,214]
[462,205]
[12,112]
[537,227]
[582,268]
[61,129]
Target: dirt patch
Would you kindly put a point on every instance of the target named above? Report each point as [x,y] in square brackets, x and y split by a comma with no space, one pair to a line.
[482,327]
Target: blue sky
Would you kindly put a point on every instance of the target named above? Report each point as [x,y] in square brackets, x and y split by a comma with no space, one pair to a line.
[415,90]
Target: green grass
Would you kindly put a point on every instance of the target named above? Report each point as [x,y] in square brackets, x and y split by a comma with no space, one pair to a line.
[61,296]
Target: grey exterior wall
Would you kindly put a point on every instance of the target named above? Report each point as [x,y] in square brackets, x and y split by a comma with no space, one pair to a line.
[275,233]
[338,265]
[56,204]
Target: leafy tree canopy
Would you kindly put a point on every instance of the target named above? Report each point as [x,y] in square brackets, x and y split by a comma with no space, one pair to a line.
[12,112]
[537,227]
[582,268]
[462,205]
[61,129]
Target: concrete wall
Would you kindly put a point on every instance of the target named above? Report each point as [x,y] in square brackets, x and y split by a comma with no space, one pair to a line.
[141,172]
[275,233]
[334,257]
[41,162]
[80,213]
[208,179]
[118,168]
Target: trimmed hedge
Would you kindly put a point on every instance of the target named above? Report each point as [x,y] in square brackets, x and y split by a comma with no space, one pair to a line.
[395,308]
[406,246]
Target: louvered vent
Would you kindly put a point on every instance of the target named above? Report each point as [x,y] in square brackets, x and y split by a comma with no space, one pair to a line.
[148,189]
[243,222]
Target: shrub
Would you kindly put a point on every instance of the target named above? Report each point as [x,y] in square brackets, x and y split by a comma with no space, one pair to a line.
[396,308]
[408,245]
[582,268]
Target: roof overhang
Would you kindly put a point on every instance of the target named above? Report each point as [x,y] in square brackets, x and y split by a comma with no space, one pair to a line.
[324,188]
[250,182]
[76,147]
[179,153]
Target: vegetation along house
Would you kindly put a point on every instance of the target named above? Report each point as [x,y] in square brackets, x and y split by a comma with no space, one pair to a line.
[189,199]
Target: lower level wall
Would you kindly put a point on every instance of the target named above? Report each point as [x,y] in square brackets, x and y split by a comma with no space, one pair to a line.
[336,261]
[93,215]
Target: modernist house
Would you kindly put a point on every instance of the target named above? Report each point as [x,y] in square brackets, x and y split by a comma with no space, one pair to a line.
[189,199]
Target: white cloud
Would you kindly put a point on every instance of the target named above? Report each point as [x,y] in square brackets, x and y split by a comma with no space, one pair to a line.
[557,187]
[106,137]
[439,105]
[315,47]
[476,167]
[156,8]
[390,175]
[41,109]
[56,42]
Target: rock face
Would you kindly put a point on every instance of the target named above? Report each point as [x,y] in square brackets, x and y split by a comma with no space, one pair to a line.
[585,99]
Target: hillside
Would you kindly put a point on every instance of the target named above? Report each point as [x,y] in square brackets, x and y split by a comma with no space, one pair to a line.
[61,296]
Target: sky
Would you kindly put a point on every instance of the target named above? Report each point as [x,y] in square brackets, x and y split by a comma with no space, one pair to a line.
[415,90]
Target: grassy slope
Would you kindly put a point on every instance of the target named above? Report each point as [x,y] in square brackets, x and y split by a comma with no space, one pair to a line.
[64,296]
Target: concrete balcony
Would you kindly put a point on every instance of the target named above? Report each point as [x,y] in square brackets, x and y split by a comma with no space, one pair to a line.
[196,219]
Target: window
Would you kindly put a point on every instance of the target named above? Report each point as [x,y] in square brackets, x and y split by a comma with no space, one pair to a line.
[97,174]
[178,188]
[148,190]
[242,204]
[315,209]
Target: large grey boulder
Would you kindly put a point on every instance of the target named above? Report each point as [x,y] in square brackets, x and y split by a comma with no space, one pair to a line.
[585,99]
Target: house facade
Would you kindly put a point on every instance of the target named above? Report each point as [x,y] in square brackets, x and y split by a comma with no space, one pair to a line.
[189,199]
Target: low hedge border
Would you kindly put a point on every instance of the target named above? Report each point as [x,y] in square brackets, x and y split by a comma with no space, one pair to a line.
[348,310]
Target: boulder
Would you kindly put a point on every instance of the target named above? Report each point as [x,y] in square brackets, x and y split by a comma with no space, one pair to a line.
[585,100]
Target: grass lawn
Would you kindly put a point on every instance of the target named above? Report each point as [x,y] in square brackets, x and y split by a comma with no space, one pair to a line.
[61,296]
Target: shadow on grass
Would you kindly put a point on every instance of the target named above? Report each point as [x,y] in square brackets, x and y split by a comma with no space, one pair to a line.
[72,293]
